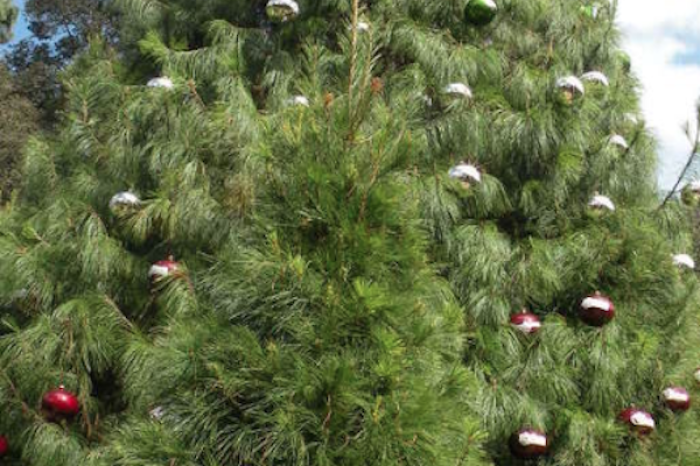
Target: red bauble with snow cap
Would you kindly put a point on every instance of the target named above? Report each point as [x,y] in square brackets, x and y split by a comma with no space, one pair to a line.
[529,444]
[676,398]
[640,421]
[162,269]
[597,310]
[526,322]
[4,446]
[60,404]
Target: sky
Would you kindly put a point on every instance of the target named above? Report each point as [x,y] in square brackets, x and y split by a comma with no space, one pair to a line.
[663,39]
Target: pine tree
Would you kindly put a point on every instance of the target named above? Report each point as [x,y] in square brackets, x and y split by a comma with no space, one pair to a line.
[8,16]
[357,199]
[18,119]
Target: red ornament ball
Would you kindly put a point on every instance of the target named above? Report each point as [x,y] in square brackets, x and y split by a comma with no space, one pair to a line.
[4,446]
[640,421]
[529,444]
[597,310]
[677,399]
[60,403]
[162,269]
[526,322]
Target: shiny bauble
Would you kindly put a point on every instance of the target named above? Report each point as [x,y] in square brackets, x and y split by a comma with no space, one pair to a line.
[124,202]
[597,78]
[161,83]
[597,310]
[298,101]
[684,261]
[570,90]
[466,174]
[526,322]
[529,444]
[157,413]
[619,142]
[162,269]
[600,206]
[60,404]
[480,12]
[281,11]
[677,399]
[638,420]
[691,194]
[456,92]
[4,446]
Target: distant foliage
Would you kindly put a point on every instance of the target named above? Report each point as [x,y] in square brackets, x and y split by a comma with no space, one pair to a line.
[19,119]
[8,16]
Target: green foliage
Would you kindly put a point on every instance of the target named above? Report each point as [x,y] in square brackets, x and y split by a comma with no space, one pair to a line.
[18,120]
[340,300]
[8,16]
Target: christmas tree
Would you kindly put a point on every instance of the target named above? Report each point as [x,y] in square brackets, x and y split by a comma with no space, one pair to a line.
[302,233]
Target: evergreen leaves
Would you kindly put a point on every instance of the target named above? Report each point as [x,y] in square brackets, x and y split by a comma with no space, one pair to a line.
[339,299]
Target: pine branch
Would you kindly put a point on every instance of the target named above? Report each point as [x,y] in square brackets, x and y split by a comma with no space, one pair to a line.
[694,155]
[353,60]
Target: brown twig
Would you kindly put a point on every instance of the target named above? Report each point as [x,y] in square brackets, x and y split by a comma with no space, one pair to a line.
[693,155]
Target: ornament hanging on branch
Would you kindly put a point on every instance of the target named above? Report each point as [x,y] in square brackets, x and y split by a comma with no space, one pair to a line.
[465,173]
[281,11]
[596,77]
[600,204]
[458,91]
[4,446]
[526,322]
[123,202]
[677,399]
[639,421]
[570,89]
[162,269]
[691,194]
[362,26]
[529,444]
[161,83]
[684,261]
[299,101]
[60,404]
[157,413]
[618,141]
[597,310]
[480,12]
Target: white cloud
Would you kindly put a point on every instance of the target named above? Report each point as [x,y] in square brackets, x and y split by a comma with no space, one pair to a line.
[656,33]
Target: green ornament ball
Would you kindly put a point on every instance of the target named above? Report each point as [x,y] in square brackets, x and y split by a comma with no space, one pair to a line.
[625,61]
[591,11]
[480,12]
[691,195]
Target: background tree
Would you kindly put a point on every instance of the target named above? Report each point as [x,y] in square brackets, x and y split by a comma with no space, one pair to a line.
[18,120]
[59,30]
[8,16]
